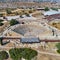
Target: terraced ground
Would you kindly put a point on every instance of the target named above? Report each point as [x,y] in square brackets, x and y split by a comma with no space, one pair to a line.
[30,30]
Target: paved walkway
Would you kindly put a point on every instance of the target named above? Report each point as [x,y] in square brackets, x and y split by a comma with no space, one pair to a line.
[40,52]
[53,54]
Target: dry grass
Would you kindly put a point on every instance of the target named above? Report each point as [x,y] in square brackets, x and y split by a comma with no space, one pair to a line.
[55,24]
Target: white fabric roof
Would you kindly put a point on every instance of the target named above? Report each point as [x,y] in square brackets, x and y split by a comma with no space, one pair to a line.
[12,17]
[52,12]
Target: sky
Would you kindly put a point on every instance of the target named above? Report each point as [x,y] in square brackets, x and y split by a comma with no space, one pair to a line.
[35,0]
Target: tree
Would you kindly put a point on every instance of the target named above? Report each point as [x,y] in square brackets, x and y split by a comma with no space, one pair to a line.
[3,55]
[46,9]
[13,22]
[26,53]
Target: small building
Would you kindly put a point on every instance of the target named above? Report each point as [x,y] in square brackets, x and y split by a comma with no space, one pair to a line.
[29,40]
[40,9]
